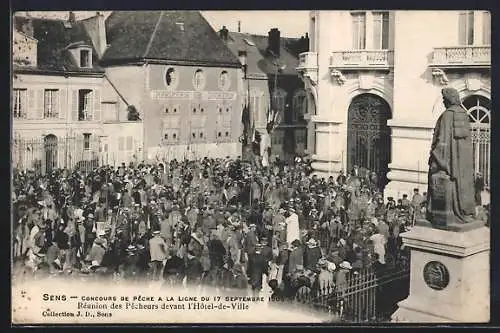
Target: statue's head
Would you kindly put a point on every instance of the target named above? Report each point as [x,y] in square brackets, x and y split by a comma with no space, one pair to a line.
[450,97]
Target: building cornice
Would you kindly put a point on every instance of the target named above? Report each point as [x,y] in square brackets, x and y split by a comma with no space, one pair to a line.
[144,61]
[35,71]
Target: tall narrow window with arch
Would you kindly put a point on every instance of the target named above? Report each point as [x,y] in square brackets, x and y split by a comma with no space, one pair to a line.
[299,106]
[479,109]
[279,100]
[369,137]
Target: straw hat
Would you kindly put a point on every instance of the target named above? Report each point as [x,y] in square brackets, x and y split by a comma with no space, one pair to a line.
[331,266]
[311,242]
[345,265]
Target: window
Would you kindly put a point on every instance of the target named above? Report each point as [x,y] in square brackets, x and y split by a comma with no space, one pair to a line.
[279,100]
[20,103]
[171,78]
[110,111]
[479,109]
[219,134]
[84,58]
[50,103]
[299,106]
[84,104]
[86,141]
[170,136]
[224,82]
[466,28]
[200,135]
[381,31]
[312,34]
[130,143]
[486,28]
[255,106]
[199,80]
[359,30]
[121,143]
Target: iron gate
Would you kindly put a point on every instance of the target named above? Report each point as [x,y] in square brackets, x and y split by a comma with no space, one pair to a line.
[43,155]
[369,137]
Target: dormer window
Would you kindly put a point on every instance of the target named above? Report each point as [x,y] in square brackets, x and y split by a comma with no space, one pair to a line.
[85,58]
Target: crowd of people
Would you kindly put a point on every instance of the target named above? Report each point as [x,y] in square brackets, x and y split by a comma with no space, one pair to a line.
[225,223]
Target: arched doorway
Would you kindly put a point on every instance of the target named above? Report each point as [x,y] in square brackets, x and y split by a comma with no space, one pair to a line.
[479,109]
[368,136]
[50,147]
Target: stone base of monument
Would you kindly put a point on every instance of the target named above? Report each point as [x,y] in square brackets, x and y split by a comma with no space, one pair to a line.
[450,274]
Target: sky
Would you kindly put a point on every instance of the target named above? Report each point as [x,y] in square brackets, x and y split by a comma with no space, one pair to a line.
[290,23]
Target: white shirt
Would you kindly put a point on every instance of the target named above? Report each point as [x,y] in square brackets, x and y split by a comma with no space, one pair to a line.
[292,228]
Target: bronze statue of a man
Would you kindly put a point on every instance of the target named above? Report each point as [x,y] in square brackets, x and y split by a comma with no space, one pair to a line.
[450,198]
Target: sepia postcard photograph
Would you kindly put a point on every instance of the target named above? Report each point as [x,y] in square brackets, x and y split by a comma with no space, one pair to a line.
[250,167]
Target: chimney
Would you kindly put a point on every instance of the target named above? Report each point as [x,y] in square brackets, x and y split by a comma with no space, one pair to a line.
[274,41]
[96,29]
[224,33]
[239,26]
[72,17]
[101,28]
[27,27]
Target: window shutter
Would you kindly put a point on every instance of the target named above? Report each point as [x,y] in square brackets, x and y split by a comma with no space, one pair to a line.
[30,113]
[97,106]
[462,28]
[377,31]
[486,28]
[74,104]
[39,104]
[121,143]
[129,143]
[79,147]
[63,104]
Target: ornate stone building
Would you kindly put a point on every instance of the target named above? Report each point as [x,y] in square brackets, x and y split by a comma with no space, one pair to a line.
[374,79]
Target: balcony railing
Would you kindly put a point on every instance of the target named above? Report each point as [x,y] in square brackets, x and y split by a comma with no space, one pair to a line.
[462,56]
[308,60]
[362,59]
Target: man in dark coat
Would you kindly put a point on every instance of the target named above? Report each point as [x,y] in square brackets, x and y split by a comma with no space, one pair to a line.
[216,253]
[194,269]
[258,265]
[451,158]
[478,188]
[173,272]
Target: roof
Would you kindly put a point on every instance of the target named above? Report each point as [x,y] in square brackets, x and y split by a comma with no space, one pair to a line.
[259,60]
[53,39]
[183,36]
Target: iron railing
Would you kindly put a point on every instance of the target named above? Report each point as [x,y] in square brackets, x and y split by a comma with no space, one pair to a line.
[46,154]
[366,296]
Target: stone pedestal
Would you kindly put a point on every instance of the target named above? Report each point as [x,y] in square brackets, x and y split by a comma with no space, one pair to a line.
[450,276]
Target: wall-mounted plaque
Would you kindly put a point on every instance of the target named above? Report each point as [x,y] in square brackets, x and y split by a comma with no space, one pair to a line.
[436,275]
